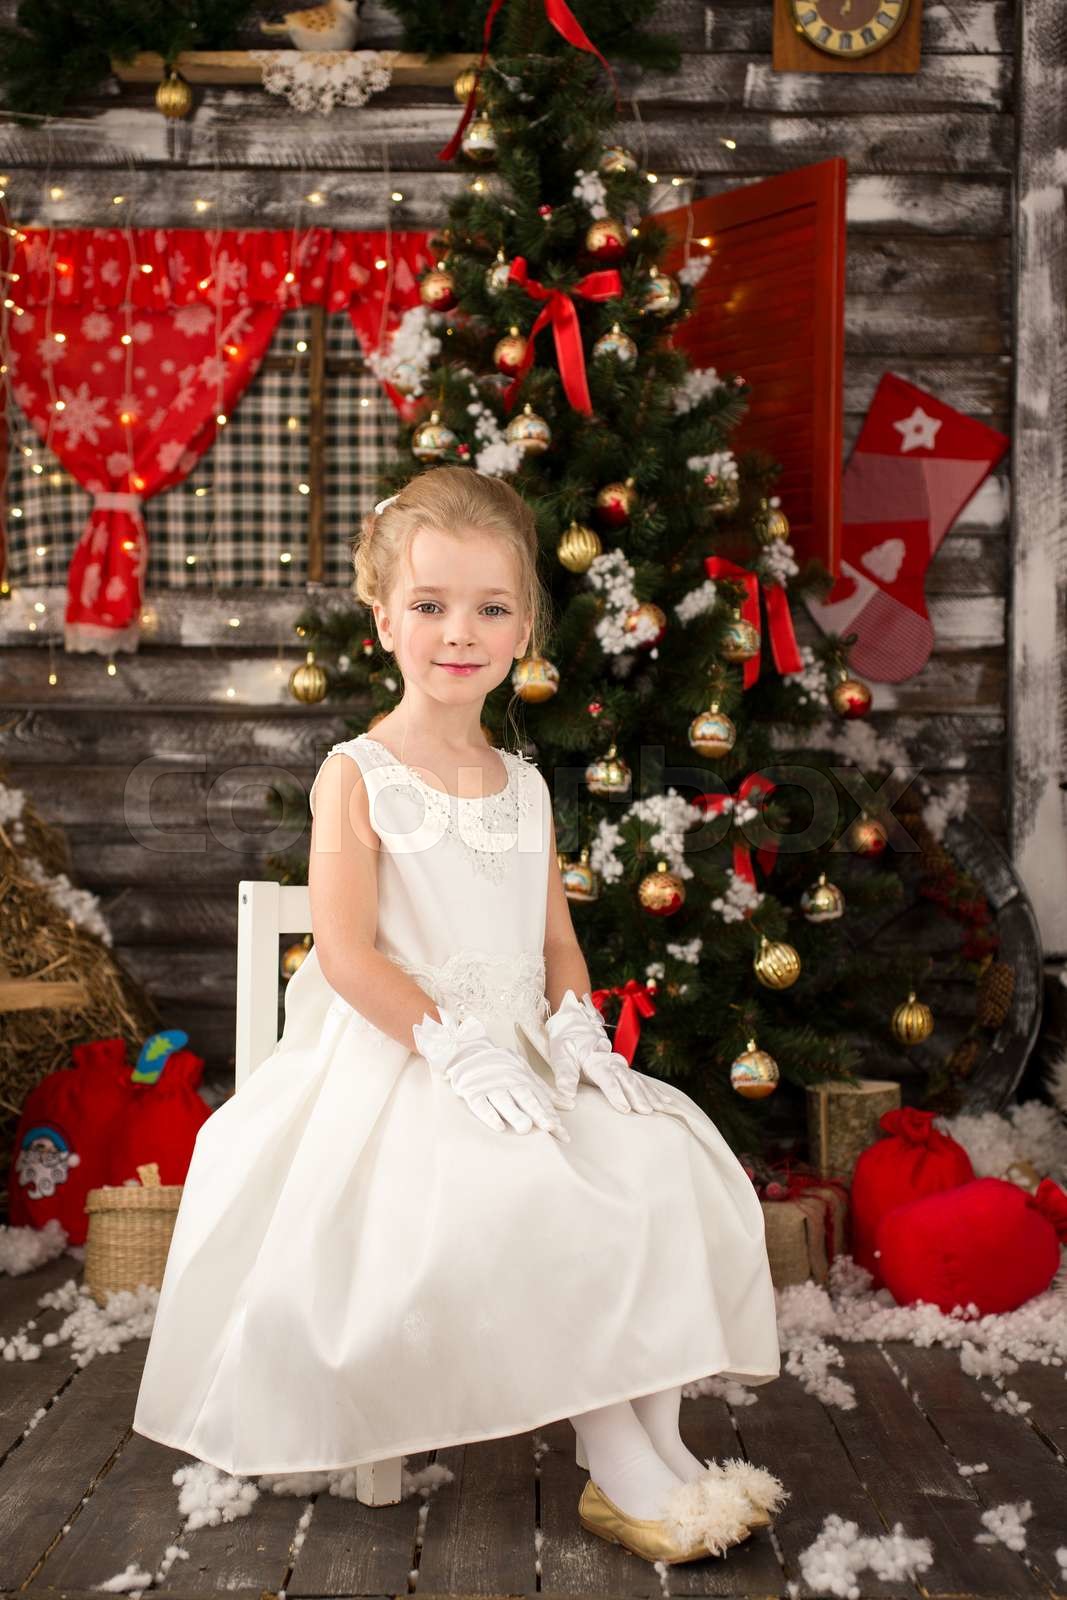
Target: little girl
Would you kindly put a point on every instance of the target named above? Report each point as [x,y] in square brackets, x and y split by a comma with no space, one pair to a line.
[445,1209]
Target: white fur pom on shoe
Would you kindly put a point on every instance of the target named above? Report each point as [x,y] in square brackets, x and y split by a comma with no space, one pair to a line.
[710,1508]
[766,1492]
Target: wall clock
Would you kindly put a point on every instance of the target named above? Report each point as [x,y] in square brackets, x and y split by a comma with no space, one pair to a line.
[846,35]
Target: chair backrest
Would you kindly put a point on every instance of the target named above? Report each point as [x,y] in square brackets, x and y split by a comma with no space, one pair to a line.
[265,911]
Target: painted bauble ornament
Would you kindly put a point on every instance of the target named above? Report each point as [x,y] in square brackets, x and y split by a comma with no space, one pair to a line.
[912,1021]
[406,377]
[529,431]
[307,682]
[740,640]
[617,344]
[479,140]
[615,503]
[867,837]
[711,733]
[580,882]
[293,957]
[608,775]
[508,352]
[578,548]
[772,523]
[823,902]
[605,239]
[777,964]
[648,622]
[726,495]
[174,96]
[497,276]
[754,1073]
[850,698]
[661,295]
[534,679]
[432,440]
[662,892]
[464,84]
[615,158]
[438,290]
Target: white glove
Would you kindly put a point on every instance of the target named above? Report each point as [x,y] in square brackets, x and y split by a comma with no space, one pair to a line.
[496,1083]
[579,1047]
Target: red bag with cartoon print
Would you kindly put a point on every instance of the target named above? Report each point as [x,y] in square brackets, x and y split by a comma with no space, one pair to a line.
[916,1159]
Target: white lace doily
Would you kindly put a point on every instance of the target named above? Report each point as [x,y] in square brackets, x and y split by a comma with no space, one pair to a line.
[315,80]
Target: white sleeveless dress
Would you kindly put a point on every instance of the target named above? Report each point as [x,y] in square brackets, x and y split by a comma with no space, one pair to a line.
[360,1268]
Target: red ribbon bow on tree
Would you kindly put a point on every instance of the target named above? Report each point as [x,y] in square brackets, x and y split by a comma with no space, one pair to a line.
[712,804]
[636,1002]
[779,618]
[559,310]
[564,21]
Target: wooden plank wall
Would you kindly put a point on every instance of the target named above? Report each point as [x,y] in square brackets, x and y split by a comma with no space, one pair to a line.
[930,245]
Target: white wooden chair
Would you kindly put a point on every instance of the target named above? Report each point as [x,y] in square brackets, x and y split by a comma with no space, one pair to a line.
[265,911]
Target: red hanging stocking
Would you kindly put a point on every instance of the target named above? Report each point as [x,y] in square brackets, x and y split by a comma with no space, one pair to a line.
[915,465]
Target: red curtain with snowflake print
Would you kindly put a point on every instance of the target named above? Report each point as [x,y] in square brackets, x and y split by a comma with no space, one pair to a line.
[133,348]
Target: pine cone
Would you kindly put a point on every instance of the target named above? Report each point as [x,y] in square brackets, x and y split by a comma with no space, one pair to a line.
[964,1058]
[995,989]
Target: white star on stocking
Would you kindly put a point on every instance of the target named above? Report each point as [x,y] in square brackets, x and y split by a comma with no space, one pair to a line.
[917,431]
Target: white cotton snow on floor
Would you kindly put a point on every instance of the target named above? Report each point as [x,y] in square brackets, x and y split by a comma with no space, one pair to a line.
[834,1560]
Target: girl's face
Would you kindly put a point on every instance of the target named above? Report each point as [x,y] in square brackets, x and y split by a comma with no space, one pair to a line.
[457,604]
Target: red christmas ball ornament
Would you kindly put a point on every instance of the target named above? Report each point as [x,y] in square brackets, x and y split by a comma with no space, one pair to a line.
[544,211]
[509,352]
[615,503]
[867,837]
[606,240]
[850,697]
[463,450]
[648,622]
[438,290]
[594,708]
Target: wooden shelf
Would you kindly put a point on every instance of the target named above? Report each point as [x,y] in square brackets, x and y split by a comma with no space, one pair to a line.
[237,66]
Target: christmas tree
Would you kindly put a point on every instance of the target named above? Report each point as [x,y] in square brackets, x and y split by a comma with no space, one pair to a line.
[723,930]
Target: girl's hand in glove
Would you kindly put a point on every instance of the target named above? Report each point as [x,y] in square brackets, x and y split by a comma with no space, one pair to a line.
[579,1047]
[496,1083]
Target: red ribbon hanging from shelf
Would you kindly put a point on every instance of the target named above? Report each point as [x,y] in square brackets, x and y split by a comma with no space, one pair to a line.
[713,803]
[565,22]
[779,618]
[560,311]
[635,1003]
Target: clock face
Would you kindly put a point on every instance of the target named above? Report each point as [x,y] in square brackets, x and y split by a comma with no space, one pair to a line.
[848,27]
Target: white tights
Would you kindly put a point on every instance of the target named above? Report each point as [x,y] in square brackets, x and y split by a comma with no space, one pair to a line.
[635,1451]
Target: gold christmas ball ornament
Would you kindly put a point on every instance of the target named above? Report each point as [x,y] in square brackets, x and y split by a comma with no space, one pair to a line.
[648,622]
[662,892]
[606,239]
[437,290]
[608,775]
[711,733]
[754,1073]
[912,1021]
[578,548]
[479,140]
[777,965]
[850,697]
[867,837]
[771,524]
[823,902]
[498,274]
[740,640]
[508,352]
[432,440]
[174,96]
[534,679]
[615,158]
[615,503]
[661,295]
[463,83]
[529,431]
[617,344]
[580,882]
[307,682]
[294,956]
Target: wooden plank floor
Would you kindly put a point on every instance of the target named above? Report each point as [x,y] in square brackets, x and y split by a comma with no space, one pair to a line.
[82,1496]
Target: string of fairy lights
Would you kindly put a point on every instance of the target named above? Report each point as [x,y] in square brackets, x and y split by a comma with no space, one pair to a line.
[49,512]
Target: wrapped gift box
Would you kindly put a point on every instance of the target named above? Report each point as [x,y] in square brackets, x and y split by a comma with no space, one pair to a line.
[804,1232]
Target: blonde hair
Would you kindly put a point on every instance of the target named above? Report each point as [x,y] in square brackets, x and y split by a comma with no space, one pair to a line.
[448,499]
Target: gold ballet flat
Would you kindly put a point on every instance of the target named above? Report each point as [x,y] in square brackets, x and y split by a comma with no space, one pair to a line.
[649,1537]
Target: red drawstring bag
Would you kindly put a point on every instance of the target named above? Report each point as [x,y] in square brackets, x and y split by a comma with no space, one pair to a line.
[161,1122]
[988,1241]
[63,1136]
[915,1160]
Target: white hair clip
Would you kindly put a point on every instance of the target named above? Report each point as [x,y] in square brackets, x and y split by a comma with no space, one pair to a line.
[380,507]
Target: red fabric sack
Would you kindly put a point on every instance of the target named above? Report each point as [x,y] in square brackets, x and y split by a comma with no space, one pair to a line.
[988,1242]
[916,1159]
[160,1122]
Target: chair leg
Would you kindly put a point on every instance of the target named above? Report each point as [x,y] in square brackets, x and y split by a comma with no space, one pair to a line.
[378,1482]
[579,1453]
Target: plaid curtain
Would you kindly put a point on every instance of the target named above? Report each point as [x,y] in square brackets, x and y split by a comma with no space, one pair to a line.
[234,518]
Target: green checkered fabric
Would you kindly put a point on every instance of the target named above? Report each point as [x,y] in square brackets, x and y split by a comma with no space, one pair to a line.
[250,511]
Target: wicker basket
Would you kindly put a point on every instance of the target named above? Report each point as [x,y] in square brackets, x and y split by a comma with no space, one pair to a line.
[129,1233]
